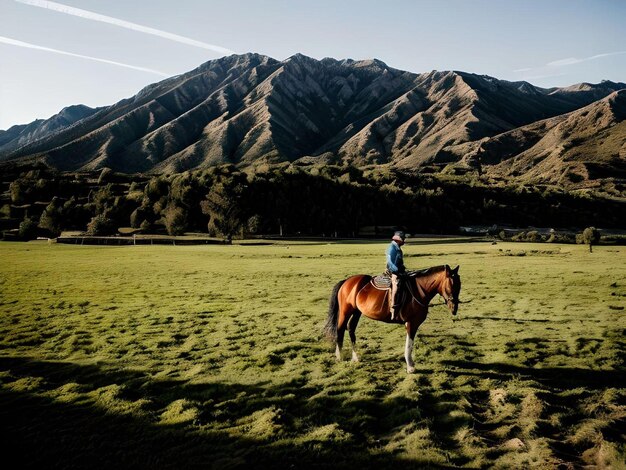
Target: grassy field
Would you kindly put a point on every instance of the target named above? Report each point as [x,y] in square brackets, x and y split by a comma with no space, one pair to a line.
[211,356]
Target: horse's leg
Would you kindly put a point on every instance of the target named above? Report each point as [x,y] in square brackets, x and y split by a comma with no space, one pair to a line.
[342,323]
[411,330]
[352,329]
[339,343]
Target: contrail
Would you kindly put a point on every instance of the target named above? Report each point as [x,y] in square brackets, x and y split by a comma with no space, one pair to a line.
[89,15]
[565,62]
[14,42]
[574,60]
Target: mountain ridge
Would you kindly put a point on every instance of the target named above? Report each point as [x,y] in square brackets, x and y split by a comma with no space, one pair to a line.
[251,109]
[22,134]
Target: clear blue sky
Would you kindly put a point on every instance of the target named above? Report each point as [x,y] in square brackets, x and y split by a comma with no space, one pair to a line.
[548,43]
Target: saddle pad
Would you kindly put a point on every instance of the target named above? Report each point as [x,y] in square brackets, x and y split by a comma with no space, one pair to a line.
[382,281]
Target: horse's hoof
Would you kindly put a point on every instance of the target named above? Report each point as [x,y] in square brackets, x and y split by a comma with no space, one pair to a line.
[355,358]
[410,370]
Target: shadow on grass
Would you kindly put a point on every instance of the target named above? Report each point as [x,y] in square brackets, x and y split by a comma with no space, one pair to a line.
[40,431]
[563,392]
[555,377]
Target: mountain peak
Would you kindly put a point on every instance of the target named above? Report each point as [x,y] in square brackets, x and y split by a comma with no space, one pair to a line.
[298,57]
[586,86]
[374,63]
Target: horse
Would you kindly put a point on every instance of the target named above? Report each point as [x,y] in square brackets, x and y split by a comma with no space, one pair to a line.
[357,295]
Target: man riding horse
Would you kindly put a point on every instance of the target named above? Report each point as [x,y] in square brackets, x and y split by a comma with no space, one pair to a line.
[358,295]
[395,267]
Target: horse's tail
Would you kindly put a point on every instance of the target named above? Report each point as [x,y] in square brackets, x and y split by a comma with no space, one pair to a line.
[330,329]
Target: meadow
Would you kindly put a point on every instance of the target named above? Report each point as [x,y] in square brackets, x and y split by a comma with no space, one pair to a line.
[212,357]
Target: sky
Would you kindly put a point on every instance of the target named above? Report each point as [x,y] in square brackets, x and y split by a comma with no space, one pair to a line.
[97,52]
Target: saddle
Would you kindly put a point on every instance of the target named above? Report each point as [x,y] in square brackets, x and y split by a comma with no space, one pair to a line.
[383,282]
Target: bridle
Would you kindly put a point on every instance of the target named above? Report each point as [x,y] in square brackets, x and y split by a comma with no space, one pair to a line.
[447,300]
[454,299]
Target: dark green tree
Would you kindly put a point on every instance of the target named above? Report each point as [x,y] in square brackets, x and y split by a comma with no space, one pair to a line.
[51,219]
[27,229]
[145,226]
[17,191]
[591,236]
[104,198]
[175,218]
[224,204]
[74,215]
[101,224]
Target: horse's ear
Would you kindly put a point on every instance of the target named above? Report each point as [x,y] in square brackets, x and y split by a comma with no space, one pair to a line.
[447,270]
[456,270]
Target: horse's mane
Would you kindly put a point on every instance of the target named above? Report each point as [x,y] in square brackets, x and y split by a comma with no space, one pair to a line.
[427,271]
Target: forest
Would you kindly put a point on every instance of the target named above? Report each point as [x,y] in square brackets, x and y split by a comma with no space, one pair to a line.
[286,200]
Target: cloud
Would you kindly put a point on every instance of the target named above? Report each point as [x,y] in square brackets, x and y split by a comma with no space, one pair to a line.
[561,62]
[89,15]
[574,60]
[15,42]
[549,69]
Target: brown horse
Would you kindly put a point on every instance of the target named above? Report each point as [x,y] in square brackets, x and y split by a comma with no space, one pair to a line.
[357,296]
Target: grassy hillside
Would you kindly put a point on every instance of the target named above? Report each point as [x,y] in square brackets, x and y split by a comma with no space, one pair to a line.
[211,356]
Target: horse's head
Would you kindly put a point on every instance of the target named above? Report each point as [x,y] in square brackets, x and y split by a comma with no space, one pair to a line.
[450,289]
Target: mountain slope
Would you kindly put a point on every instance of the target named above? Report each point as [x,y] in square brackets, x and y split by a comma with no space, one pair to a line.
[301,106]
[22,135]
[248,109]
[586,144]
[583,145]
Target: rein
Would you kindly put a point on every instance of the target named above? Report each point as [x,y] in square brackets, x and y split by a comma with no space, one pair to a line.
[446,300]
[420,293]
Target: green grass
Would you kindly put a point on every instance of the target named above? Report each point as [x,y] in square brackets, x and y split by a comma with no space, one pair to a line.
[211,356]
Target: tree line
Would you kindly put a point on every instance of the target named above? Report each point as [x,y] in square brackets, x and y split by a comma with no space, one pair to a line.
[287,199]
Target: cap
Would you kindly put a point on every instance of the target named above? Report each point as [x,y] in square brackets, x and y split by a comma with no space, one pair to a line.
[398,235]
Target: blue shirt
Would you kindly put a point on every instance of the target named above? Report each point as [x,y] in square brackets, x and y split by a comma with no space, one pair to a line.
[395,264]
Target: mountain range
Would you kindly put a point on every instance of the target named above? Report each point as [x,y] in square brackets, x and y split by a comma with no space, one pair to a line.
[251,109]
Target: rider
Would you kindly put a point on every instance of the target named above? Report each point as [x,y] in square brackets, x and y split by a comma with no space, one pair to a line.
[395,267]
